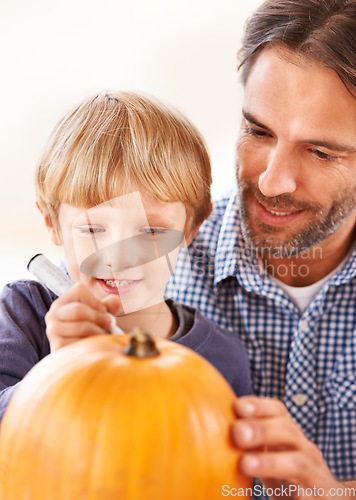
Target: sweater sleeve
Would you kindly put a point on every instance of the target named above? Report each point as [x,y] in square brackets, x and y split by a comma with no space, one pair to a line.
[223,349]
[23,340]
[227,353]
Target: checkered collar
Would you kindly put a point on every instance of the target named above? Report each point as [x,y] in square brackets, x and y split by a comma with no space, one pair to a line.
[233,256]
[348,271]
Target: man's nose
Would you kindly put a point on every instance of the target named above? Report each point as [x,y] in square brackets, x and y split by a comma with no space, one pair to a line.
[280,174]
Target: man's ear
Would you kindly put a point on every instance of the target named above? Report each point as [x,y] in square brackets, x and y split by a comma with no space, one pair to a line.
[51,228]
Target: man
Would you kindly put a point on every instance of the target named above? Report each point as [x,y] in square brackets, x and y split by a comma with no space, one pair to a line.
[276,262]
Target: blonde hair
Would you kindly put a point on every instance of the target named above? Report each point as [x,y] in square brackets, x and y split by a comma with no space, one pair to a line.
[116,138]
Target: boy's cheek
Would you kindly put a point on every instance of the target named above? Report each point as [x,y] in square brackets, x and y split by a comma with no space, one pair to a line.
[83,248]
[72,265]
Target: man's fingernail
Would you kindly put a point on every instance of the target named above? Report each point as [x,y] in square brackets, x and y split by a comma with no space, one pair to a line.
[246,407]
[245,432]
[251,462]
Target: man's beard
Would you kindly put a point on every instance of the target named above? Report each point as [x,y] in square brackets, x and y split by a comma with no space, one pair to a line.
[323,222]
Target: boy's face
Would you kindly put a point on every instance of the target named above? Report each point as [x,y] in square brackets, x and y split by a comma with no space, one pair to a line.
[126,246]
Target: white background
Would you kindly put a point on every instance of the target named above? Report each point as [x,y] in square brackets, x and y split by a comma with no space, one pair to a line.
[54,53]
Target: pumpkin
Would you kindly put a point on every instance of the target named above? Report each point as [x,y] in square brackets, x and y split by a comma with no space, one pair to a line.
[106,419]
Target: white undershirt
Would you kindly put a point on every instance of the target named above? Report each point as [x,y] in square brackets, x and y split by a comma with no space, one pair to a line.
[303,296]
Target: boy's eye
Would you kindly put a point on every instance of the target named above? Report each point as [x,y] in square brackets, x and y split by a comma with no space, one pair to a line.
[153,231]
[91,229]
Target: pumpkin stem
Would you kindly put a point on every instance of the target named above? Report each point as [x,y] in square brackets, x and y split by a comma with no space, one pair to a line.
[141,345]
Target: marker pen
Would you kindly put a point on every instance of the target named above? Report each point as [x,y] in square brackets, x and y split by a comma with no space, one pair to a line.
[57,281]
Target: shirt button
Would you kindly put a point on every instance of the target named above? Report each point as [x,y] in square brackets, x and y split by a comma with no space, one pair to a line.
[304,326]
[299,399]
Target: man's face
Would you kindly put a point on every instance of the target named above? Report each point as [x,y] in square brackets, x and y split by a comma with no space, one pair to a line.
[296,155]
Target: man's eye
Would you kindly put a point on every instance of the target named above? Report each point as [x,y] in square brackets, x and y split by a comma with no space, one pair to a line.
[321,155]
[255,132]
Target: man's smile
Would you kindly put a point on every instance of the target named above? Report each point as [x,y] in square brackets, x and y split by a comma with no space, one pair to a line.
[276,217]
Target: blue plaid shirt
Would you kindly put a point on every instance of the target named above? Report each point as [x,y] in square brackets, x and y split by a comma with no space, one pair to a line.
[307,360]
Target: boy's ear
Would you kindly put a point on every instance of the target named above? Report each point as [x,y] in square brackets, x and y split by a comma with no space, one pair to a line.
[194,231]
[192,234]
[49,224]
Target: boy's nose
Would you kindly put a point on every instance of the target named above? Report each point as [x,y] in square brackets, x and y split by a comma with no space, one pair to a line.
[117,257]
[128,253]
[279,177]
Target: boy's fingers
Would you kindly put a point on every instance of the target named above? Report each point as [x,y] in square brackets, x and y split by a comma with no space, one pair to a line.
[113,304]
[80,293]
[76,312]
[68,333]
[78,330]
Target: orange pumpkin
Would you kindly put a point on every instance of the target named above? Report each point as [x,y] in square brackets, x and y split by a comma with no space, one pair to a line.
[90,422]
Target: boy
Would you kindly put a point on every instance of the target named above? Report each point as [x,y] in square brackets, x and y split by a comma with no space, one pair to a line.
[123,182]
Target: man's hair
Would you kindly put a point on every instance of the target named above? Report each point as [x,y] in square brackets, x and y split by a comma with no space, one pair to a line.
[324,30]
[116,139]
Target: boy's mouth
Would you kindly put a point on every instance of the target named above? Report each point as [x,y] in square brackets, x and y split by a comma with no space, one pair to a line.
[118,283]
[118,286]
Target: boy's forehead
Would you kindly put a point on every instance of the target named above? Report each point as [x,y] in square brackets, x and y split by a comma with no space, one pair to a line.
[134,204]
[127,209]
[123,201]
[131,204]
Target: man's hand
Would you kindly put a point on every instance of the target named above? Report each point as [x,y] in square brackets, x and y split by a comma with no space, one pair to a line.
[276,451]
[78,314]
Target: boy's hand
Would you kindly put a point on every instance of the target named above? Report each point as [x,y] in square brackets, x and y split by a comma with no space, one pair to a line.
[78,314]
[276,450]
